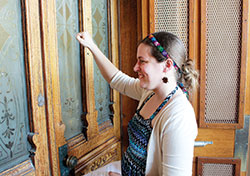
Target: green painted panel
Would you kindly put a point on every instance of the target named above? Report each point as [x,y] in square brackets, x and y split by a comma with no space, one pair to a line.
[100,36]
[13,98]
[69,66]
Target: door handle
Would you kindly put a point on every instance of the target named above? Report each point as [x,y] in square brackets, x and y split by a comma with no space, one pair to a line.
[70,161]
[67,162]
[202,143]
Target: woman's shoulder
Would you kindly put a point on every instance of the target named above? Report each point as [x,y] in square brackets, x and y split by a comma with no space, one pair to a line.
[179,104]
[179,111]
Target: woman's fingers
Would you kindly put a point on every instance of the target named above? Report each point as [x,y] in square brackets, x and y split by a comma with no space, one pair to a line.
[80,36]
[84,38]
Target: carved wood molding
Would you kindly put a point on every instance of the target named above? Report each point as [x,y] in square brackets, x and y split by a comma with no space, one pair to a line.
[85,24]
[103,160]
[31,23]
[83,147]
[99,157]
[52,86]
[115,60]
[25,168]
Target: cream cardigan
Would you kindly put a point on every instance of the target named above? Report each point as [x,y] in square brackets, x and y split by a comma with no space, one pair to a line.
[171,144]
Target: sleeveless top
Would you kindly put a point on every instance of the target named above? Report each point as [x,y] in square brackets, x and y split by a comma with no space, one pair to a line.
[139,131]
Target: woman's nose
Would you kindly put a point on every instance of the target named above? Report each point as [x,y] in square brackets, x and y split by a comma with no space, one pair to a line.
[136,67]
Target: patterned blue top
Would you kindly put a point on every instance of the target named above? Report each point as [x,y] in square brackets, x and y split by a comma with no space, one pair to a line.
[139,131]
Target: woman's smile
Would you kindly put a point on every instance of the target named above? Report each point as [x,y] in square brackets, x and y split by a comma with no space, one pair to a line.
[140,76]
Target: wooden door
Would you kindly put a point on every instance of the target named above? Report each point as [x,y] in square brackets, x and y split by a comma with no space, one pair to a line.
[215,36]
[83,112]
[23,134]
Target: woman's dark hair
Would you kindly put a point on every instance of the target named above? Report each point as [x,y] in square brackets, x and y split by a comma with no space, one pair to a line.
[177,52]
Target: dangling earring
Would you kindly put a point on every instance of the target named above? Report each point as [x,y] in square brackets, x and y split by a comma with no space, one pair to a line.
[165,79]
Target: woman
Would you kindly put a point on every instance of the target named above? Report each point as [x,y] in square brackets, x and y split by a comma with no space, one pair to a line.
[163,129]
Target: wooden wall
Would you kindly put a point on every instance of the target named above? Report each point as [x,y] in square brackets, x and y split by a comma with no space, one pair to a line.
[128,47]
[247,105]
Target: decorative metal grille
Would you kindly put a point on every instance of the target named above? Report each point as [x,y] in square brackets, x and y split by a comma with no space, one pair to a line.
[218,166]
[210,169]
[173,16]
[223,56]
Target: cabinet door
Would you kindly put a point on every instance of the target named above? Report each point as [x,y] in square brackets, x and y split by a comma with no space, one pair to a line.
[86,125]
[23,135]
[215,37]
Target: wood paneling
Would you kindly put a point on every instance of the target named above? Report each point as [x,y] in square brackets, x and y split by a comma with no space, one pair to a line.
[115,59]
[197,51]
[243,173]
[128,47]
[247,105]
[93,149]
[39,137]
[223,143]
[52,85]
[88,152]
[146,17]
[99,157]
[151,16]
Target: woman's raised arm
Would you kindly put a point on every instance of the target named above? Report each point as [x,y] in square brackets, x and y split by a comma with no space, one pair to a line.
[107,69]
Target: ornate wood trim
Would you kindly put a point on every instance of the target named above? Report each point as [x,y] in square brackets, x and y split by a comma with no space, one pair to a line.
[79,146]
[25,168]
[100,156]
[110,44]
[51,81]
[33,57]
[85,24]
[115,60]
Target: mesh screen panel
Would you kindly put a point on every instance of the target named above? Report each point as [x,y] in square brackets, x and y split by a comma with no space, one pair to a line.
[173,16]
[223,55]
[218,169]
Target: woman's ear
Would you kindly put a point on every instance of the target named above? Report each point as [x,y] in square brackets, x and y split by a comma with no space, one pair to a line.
[168,65]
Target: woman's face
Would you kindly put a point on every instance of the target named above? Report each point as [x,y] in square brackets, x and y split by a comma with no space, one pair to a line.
[150,72]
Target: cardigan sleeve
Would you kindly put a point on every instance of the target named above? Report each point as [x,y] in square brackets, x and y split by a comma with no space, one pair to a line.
[178,144]
[127,85]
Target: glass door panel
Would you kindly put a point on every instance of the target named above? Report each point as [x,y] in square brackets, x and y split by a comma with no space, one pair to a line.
[13,97]
[69,66]
[101,37]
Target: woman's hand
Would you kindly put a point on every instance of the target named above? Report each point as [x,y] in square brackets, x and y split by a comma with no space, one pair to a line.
[114,174]
[106,67]
[85,39]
